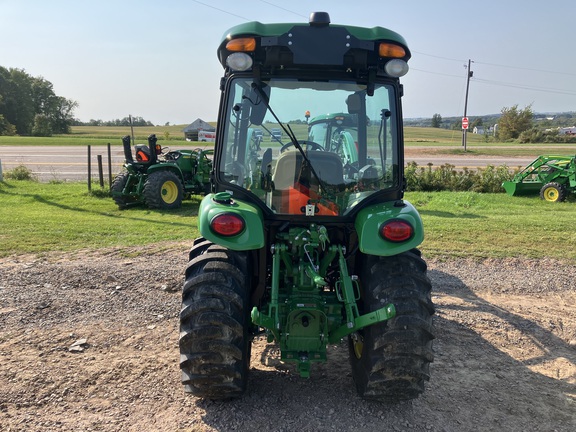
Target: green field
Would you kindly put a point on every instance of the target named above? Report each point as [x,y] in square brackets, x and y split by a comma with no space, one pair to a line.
[98,135]
[40,218]
[427,140]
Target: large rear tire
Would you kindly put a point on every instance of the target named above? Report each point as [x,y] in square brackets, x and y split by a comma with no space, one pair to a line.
[117,187]
[163,190]
[391,360]
[215,339]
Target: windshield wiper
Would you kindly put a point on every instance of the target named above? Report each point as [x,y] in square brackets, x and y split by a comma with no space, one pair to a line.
[288,130]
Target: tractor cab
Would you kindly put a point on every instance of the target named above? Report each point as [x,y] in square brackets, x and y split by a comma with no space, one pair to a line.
[326,167]
[335,171]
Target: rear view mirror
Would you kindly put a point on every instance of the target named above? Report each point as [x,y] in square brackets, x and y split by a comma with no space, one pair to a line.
[259,105]
[354,103]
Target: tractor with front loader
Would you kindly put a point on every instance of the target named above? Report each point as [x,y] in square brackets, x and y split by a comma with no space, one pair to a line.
[307,239]
[159,177]
[553,177]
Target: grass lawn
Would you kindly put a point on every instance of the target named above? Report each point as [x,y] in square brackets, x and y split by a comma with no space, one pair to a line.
[41,217]
[44,217]
[468,224]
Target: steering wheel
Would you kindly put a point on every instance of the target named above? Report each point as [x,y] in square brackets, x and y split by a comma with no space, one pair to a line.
[313,145]
[172,155]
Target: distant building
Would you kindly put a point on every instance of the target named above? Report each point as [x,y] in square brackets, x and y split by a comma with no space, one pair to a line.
[478,130]
[191,131]
[567,131]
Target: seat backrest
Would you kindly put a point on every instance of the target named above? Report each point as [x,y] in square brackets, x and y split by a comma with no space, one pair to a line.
[288,169]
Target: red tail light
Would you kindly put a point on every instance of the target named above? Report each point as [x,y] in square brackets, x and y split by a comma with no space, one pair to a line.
[396,231]
[227,224]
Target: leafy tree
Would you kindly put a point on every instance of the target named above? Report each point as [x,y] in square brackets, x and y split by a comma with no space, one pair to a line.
[477,122]
[62,114]
[5,127]
[17,105]
[436,121]
[24,97]
[42,126]
[514,121]
[42,95]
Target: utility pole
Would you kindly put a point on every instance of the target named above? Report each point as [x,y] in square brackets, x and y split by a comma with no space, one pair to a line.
[132,126]
[469,74]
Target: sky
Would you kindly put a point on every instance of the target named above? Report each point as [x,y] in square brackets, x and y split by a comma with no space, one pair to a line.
[157,59]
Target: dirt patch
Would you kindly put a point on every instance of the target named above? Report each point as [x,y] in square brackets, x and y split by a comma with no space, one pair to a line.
[90,342]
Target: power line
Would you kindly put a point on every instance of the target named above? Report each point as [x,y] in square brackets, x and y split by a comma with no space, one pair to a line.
[525,87]
[284,9]
[244,18]
[497,65]
[440,57]
[528,69]
[501,83]
[436,73]
[222,10]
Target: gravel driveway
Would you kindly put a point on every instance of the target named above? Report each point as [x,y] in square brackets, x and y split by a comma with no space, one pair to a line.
[88,341]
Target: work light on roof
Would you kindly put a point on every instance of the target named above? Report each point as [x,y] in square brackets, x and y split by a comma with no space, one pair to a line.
[239,61]
[396,68]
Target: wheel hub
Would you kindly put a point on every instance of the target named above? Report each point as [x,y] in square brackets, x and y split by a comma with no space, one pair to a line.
[169,192]
[551,194]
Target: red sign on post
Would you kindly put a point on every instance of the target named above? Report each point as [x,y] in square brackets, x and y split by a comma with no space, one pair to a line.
[464,122]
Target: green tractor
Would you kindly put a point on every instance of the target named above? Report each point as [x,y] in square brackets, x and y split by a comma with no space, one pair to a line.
[553,177]
[338,133]
[159,177]
[302,242]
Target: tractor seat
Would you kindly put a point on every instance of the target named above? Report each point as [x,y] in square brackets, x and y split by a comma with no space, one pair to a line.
[142,154]
[288,170]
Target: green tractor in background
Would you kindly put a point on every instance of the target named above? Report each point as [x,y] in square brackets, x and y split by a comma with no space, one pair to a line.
[306,239]
[337,133]
[161,178]
[553,177]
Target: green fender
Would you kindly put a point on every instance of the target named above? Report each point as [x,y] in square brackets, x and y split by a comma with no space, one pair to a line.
[370,219]
[166,167]
[251,237]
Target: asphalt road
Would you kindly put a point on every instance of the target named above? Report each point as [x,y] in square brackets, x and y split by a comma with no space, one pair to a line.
[61,163]
[71,163]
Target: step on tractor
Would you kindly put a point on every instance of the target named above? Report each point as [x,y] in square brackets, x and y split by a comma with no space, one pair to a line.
[302,242]
[161,178]
[553,177]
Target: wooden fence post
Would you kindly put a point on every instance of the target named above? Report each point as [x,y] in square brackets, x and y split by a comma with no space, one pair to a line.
[100,172]
[109,167]
[89,170]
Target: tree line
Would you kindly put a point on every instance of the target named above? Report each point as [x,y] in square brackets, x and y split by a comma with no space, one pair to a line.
[514,124]
[29,105]
[126,121]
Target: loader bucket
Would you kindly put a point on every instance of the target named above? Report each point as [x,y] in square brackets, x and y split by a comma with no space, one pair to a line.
[513,188]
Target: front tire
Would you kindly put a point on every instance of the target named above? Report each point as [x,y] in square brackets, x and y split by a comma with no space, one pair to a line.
[215,340]
[553,192]
[163,190]
[391,360]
